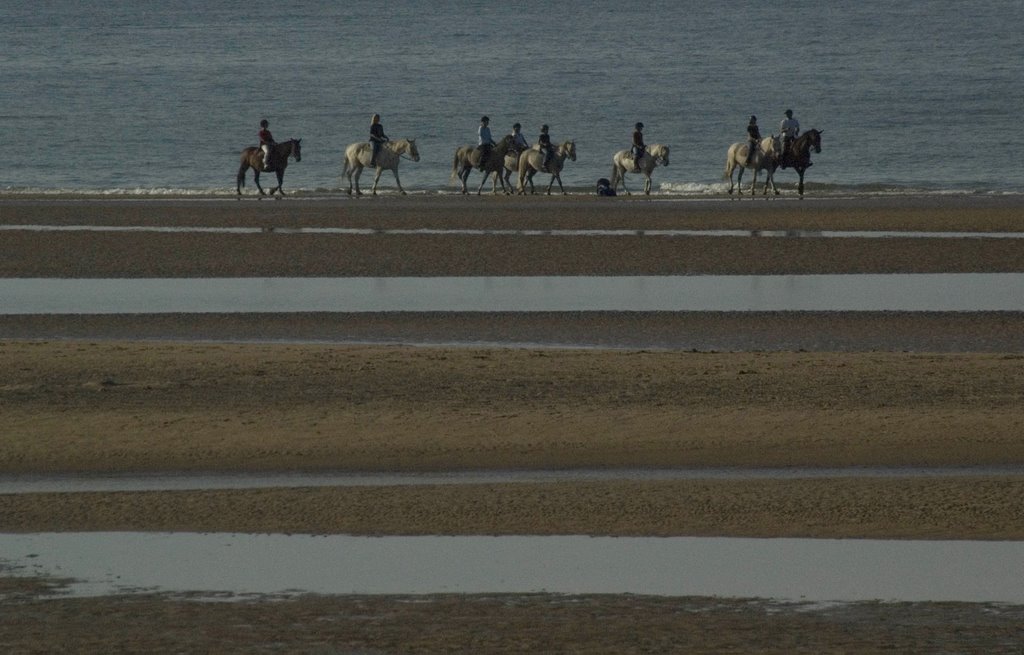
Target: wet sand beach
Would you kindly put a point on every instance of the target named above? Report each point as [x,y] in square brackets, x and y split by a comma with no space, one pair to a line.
[442,392]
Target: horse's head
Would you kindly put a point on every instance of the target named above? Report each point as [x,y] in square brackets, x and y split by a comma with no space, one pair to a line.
[816,139]
[569,149]
[413,151]
[296,149]
[660,154]
[505,144]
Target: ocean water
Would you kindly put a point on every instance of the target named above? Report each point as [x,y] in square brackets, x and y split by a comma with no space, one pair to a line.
[159,96]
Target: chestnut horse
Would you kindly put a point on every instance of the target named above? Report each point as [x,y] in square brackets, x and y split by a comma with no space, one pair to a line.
[798,156]
[468,157]
[531,162]
[252,157]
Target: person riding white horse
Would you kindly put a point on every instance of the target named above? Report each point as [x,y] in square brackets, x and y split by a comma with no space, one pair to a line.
[624,162]
[638,146]
[358,155]
[377,138]
[764,157]
[753,139]
[544,145]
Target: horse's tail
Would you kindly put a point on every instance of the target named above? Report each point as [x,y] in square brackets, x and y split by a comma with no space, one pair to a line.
[242,168]
[346,168]
[455,166]
[730,164]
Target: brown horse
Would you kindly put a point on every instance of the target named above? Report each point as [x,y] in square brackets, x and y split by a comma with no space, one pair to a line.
[468,157]
[798,156]
[252,157]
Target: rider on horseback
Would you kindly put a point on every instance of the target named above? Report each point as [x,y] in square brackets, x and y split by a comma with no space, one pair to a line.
[484,142]
[790,129]
[638,146]
[377,138]
[544,145]
[266,141]
[753,139]
[519,142]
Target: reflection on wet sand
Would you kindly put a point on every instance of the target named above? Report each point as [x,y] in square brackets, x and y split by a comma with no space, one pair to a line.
[949,292]
[782,569]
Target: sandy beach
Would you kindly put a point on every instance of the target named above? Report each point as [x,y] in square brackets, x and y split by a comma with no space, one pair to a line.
[445,392]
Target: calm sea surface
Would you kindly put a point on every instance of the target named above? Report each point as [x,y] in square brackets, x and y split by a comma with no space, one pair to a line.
[151,96]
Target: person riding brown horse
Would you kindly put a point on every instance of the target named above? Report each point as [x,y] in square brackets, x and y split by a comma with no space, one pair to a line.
[252,157]
[799,154]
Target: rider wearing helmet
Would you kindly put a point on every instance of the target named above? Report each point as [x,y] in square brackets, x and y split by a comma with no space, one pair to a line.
[790,129]
[519,142]
[638,146]
[484,141]
[544,145]
[753,138]
[266,141]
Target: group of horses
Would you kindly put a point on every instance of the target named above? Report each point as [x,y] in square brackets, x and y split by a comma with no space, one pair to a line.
[503,161]
[768,157]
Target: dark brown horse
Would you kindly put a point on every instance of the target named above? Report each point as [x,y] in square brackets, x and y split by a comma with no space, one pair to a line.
[798,156]
[252,157]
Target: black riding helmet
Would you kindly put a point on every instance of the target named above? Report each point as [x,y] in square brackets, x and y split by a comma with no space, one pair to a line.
[484,119]
[543,128]
[639,126]
[264,123]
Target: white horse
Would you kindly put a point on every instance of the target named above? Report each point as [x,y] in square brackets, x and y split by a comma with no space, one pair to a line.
[531,162]
[357,157]
[765,159]
[622,163]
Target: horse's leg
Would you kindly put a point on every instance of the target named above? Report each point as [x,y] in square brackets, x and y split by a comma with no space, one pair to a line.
[240,182]
[529,178]
[464,178]
[647,183]
[487,174]
[554,177]
[770,181]
[256,179]
[739,180]
[622,176]
[753,184]
[280,182]
[376,179]
[356,174]
[800,186]
[398,182]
